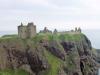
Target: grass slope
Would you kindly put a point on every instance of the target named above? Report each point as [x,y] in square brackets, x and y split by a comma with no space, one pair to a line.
[13,72]
[54,63]
[58,37]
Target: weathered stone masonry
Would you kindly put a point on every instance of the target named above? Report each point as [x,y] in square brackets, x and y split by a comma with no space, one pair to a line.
[27,31]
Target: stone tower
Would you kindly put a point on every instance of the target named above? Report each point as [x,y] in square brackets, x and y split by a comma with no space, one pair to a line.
[27,31]
[79,30]
[76,29]
[22,31]
[55,31]
[31,28]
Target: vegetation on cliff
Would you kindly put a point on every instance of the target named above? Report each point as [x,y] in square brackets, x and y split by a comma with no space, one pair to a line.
[58,37]
[47,54]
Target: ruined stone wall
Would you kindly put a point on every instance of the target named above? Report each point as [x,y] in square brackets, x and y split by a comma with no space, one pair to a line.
[68,32]
[22,31]
[31,31]
[28,31]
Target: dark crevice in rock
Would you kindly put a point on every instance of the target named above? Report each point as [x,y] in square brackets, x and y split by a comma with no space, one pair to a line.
[56,52]
[66,70]
[35,61]
[81,53]
[75,73]
[67,46]
[15,57]
[88,42]
[82,67]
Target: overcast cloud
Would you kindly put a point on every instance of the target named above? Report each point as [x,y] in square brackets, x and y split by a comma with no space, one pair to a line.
[60,14]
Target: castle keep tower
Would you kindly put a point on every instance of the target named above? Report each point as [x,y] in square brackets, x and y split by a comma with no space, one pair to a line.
[31,30]
[27,31]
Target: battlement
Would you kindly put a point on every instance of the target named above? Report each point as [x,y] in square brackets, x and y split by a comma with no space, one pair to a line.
[46,30]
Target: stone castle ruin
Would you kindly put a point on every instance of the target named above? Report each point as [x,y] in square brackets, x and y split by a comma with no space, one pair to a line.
[29,31]
[45,30]
[76,31]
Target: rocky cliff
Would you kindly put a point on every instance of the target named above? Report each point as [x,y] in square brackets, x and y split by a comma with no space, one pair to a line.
[48,54]
[97,55]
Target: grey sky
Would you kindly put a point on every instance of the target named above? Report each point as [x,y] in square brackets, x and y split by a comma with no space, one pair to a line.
[60,14]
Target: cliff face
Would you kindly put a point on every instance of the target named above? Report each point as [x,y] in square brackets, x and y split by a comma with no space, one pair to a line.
[47,54]
[97,55]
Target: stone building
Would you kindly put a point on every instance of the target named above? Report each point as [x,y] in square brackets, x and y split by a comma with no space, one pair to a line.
[55,31]
[27,31]
[46,30]
[78,30]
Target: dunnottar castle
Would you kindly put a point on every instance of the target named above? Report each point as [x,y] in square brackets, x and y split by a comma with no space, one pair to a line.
[29,31]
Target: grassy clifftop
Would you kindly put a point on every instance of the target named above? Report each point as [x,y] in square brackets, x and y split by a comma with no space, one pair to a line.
[49,36]
[58,37]
[61,51]
[44,36]
[13,72]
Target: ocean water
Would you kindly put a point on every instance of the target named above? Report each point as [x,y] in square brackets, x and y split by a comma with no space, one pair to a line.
[7,32]
[94,37]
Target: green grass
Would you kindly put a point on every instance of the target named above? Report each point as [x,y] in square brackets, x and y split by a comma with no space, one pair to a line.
[54,62]
[13,72]
[48,37]
[70,60]
[70,63]
[57,37]
[70,37]
[10,36]
[42,36]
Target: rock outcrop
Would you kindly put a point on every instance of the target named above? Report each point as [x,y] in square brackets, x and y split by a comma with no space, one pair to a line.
[48,54]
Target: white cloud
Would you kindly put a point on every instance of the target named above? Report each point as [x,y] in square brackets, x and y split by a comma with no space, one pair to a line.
[60,14]
[83,13]
[34,2]
[92,3]
[92,6]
